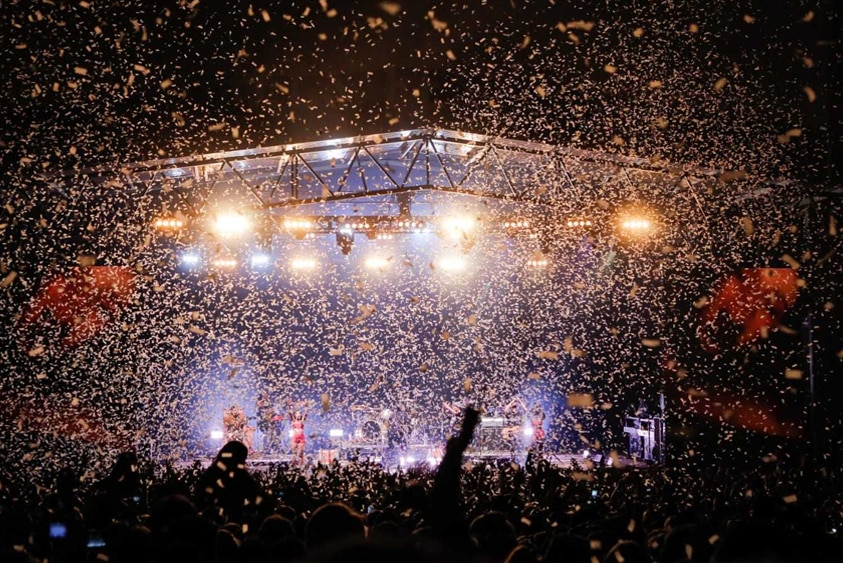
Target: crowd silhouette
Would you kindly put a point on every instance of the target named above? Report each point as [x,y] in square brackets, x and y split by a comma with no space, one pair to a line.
[489,512]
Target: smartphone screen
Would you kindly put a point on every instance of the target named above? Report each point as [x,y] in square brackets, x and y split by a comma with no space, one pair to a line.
[57,530]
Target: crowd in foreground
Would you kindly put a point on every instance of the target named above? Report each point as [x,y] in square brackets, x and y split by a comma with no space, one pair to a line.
[459,512]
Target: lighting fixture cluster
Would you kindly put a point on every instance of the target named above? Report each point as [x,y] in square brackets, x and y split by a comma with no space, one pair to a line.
[537,263]
[579,223]
[298,224]
[224,263]
[168,223]
[636,224]
[518,224]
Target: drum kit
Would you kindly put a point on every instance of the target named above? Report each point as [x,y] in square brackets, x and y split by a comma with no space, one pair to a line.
[376,427]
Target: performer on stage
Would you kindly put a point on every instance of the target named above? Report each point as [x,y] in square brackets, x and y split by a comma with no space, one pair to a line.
[234,424]
[266,422]
[298,440]
[537,417]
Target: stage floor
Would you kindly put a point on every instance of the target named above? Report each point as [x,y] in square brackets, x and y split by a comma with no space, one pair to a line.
[258,461]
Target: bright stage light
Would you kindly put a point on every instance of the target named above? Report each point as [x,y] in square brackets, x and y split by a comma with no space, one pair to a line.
[168,224]
[303,263]
[516,224]
[579,223]
[260,260]
[528,431]
[451,263]
[190,259]
[335,433]
[376,263]
[458,226]
[300,227]
[217,435]
[585,454]
[636,224]
[411,460]
[224,263]
[231,224]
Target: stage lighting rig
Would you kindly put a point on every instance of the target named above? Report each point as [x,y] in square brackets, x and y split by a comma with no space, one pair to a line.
[537,261]
[231,224]
[345,239]
[168,224]
[578,223]
[299,227]
[224,263]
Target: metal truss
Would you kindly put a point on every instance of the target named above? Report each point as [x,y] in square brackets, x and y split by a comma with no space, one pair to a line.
[383,174]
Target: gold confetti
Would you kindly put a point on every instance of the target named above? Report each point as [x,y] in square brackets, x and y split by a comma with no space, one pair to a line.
[793,374]
[548,355]
[748,19]
[808,17]
[721,82]
[655,84]
[812,96]
[10,277]
[651,342]
[391,8]
[610,69]
[694,28]
[639,32]
[466,385]
[580,400]
[81,71]
[747,225]
[326,402]
[790,261]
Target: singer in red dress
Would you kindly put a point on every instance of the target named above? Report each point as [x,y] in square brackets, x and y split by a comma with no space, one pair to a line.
[298,438]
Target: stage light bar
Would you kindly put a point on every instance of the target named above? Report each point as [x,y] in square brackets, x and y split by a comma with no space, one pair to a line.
[168,224]
[190,259]
[537,263]
[335,433]
[578,223]
[299,227]
[376,263]
[636,224]
[231,224]
[224,263]
[260,260]
[516,224]
[303,263]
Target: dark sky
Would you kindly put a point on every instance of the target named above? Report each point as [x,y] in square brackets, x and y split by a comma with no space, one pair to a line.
[735,84]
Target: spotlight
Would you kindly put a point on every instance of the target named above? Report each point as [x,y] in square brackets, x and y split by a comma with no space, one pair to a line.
[376,263]
[168,224]
[458,227]
[345,239]
[303,263]
[585,454]
[231,224]
[260,260]
[528,431]
[190,259]
[335,433]
[578,223]
[411,460]
[217,435]
[451,263]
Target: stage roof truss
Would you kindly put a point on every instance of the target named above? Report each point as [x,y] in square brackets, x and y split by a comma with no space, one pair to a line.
[378,168]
